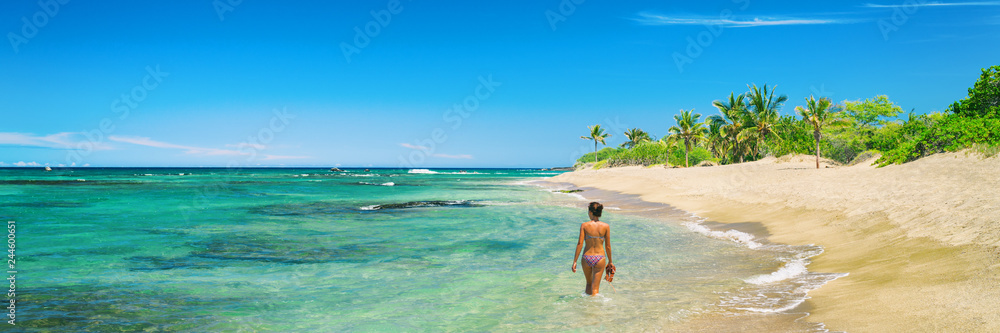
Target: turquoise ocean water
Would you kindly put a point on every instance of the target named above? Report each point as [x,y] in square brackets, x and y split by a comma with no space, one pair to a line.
[308,250]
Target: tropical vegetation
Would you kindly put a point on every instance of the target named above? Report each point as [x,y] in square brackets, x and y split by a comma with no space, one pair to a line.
[750,126]
[817,114]
[597,135]
[688,130]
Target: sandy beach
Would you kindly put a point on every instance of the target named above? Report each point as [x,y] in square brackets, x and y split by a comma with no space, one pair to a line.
[919,241]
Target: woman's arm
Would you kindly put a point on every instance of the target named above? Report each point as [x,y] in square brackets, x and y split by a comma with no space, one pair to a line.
[579,247]
[607,245]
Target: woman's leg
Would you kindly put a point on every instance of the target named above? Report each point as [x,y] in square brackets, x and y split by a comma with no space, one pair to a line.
[595,281]
[587,272]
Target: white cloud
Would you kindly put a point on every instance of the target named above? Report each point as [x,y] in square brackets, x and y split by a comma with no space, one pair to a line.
[407,145]
[63,140]
[657,19]
[251,145]
[468,157]
[144,141]
[933,4]
[31,164]
[283,157]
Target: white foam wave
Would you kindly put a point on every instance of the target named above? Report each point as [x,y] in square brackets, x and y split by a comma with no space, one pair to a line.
[555,190]
[422,171]
[740,237]
[573,195]
[776,297]
[379,184]
[498,203]
[791,270]
[371,207]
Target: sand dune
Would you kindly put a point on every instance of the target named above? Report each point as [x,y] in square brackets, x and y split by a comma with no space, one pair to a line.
[919,240]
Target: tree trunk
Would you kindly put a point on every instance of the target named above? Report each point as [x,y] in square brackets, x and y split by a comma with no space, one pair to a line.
[687,150]
[817,134]
[595,152]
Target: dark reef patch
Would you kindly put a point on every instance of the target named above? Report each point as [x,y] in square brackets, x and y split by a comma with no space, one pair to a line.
[72,182]
[309,208]
[113,308]
[423,204]
[49,204]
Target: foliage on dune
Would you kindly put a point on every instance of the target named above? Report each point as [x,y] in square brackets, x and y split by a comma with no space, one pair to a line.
[749,126]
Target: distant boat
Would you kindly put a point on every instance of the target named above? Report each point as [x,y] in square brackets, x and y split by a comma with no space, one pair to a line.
[47,168]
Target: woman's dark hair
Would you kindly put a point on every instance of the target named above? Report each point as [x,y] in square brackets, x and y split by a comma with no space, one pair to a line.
[596,208]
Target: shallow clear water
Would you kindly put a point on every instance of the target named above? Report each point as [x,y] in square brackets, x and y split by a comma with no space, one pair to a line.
[385,250]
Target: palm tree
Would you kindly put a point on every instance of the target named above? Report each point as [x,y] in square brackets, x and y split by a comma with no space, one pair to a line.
[716,137]
[818,114]
[635,136]
[762,115]
[689,129]
[597,134]
[729,124]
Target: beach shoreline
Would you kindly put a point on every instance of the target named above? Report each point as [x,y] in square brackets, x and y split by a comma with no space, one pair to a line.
[918,240]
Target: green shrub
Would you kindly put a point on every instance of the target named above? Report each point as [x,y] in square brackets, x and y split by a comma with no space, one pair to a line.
[603,154]
[795,136]
[984,97]
[986,150]
[646,153]
[697,155]
[953,133]
[864,156]
[600,165]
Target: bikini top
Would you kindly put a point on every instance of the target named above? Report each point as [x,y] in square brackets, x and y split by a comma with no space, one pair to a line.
[589,236]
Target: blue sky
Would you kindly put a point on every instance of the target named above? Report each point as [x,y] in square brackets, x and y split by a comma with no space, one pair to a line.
[443,83]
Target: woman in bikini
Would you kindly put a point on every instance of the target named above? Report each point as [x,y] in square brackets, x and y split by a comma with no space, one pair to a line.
[597,255]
